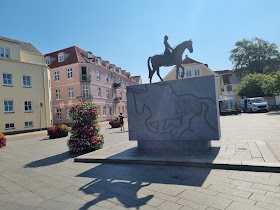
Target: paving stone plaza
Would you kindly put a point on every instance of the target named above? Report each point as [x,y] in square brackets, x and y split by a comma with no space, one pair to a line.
[39,173]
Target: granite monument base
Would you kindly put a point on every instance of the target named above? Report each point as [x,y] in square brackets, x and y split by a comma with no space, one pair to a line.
[182,146]
[178,115]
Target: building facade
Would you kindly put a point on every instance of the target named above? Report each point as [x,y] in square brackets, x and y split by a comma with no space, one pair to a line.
[229,98]
[77,75]
[24,88]
[193,68]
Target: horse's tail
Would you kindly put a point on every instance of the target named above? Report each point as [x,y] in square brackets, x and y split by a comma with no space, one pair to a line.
[150,71]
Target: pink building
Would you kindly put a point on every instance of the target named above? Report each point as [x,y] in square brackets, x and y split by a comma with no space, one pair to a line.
[77,74]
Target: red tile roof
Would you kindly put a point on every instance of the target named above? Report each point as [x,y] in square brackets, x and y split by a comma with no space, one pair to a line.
[76,56]
[226,74]
[188,60]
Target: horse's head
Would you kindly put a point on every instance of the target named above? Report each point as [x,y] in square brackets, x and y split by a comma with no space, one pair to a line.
[190,46]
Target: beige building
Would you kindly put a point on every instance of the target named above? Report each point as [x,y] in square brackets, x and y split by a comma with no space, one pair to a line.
[193,68]
[24,85]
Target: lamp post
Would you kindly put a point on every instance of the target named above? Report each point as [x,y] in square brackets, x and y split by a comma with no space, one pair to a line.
[41,105]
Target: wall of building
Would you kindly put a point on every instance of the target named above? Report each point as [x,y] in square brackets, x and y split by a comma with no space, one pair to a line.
[203,70]
[14,49]
[64,83]
[18,94]
[32,58]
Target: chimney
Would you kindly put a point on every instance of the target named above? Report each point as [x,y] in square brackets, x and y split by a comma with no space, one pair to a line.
[127,74]
[206,64]
[187,56]
[123,72]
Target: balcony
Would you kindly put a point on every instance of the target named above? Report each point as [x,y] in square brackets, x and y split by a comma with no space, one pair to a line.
[117,99]
[85,78]
[116,85]
[85,98]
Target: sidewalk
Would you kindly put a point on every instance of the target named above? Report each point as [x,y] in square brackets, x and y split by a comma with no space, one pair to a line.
[249,151]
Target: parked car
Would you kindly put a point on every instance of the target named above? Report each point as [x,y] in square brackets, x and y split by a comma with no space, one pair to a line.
[254,104]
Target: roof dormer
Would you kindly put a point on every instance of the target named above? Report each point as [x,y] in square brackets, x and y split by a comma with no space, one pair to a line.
[48,60]
[61,57]
[89,55]
[107,64]
[99,62]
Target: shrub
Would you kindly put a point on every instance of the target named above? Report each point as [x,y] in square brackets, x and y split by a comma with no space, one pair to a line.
[115,123]
[85,132]
[58,131]
[2,140]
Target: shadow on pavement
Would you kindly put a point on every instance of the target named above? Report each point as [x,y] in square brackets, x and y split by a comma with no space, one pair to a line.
[121,184]
[51,160]
[273,113]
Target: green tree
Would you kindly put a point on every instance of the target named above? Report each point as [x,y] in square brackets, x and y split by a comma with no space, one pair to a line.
[254,56]
[277,82]
[256,85]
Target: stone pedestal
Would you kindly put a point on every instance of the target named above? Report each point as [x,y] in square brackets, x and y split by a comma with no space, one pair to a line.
[173,146]
[177,115]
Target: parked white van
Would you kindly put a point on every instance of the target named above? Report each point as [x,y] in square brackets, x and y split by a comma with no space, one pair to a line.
[254,104]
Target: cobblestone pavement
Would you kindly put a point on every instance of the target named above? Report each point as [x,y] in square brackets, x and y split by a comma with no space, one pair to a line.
[38,173]
[258,131]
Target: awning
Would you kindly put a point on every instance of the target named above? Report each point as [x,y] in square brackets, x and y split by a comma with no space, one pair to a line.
[225,98]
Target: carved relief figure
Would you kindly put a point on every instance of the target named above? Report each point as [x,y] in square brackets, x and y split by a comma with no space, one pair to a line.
[161,120]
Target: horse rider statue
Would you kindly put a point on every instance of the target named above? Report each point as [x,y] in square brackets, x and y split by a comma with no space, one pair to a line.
[170,57]
[168,48]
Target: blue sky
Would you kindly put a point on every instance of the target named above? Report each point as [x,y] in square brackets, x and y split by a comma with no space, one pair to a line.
[127,32]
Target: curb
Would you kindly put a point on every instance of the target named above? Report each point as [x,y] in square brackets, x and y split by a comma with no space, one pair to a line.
[261,167]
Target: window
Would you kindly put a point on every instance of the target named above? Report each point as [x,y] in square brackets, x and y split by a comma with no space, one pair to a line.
[121,95]
[70,92]
[7,79]
[69,73]
[56,75]
[114,78]
[85,91]
[98,111]
[107,78]
[9,126]
[197,71]
[108,93]
[180,73]
[8,106]
[28,106]
[67,113]
[188,72]
[110,111]
[26,81]
[57,94]
[104,110]
[48,62]
[4,52]
[60,57]
[99,92]
[229,88]
[99,61]
[28,124]
[97,74]
[58,114]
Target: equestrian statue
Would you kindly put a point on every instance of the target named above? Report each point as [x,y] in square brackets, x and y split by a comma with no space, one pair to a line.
[170,57]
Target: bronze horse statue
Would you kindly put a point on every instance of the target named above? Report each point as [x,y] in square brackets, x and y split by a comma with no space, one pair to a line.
[165,60]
